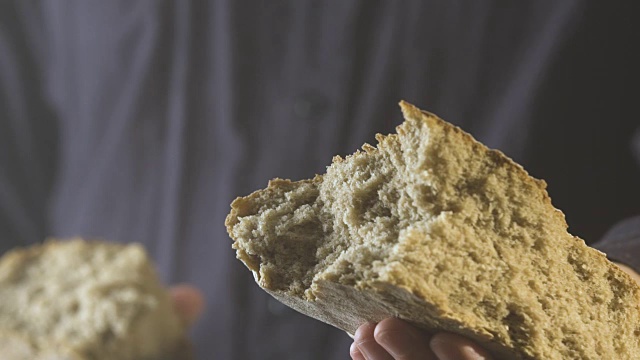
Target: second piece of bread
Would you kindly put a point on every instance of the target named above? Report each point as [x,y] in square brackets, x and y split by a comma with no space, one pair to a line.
[81,300]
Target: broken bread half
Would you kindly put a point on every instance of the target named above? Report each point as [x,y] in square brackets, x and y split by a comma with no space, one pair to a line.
[86,300]
[434,228]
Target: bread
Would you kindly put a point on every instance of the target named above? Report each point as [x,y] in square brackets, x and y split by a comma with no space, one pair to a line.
[435,228]
[79,300]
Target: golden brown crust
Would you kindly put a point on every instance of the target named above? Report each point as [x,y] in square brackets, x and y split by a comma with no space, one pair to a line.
[412,112]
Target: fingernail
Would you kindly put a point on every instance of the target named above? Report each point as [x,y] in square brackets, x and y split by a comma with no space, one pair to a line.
[355,353]
[364,340]
[364,350]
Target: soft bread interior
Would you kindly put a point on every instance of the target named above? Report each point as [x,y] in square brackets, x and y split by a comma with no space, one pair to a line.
[433,211]
[96,299]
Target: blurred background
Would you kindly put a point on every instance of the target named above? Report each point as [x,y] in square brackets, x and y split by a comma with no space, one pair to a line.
[142,120]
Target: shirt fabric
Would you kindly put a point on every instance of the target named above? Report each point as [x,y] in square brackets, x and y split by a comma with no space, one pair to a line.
[141,121]
[622,243]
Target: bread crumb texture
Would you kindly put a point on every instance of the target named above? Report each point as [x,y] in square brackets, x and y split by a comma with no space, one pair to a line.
[84,300]
[433,227]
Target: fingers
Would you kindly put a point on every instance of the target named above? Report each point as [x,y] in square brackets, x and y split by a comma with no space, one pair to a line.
[188,302]
[449,346]
[394,339]
[391,339]
[366,343]
[403,341]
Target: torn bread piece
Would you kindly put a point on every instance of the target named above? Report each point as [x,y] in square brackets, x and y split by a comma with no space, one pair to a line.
[434,228]
[86,300]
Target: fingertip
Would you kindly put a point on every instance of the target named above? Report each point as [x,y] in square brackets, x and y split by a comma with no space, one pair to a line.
[367,345]
[389,323]
[402,340]
[448,346]
[395,325]
[388,331]
[365,331]
[188,302]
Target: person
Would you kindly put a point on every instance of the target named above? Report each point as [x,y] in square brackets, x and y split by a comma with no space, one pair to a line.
[141,121]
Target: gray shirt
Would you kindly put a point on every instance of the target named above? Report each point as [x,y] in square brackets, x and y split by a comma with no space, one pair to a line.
[141,121]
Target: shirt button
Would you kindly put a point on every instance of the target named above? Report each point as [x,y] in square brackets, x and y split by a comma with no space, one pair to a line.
[309,106]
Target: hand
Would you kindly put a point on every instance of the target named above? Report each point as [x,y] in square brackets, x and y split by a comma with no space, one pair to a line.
[188,302]
[394,339]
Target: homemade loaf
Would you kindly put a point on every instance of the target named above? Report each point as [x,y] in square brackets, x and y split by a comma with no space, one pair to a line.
[435,228]
[79,300]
